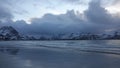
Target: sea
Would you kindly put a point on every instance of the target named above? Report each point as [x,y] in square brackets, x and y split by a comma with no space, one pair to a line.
[60,54]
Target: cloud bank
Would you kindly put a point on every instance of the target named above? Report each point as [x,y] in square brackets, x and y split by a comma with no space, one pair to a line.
[96,19]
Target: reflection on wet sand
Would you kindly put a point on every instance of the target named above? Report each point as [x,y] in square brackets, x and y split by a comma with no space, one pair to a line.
[9,50]
[54,54]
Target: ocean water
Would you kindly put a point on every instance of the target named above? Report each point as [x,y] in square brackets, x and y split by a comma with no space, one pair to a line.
[60,54]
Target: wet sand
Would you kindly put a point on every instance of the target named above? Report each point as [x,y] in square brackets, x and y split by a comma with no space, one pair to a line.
[44,57]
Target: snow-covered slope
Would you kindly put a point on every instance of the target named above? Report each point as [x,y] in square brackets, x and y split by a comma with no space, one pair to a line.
[8,33]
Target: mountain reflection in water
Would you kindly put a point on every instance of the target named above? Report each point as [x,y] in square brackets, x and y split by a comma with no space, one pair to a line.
[9,50]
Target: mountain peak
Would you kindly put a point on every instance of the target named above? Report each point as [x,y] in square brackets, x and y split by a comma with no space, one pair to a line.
[8,32]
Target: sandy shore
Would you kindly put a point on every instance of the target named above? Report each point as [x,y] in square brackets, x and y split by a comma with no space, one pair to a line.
[57,58]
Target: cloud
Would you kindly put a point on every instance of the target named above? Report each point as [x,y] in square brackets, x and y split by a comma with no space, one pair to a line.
[5,13]
[116,1]
[50,23]
[96,19]
[77,1]
[72,1]
[97,14]
[100,17]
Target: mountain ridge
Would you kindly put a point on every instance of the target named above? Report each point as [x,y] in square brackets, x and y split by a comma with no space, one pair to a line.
[10,33]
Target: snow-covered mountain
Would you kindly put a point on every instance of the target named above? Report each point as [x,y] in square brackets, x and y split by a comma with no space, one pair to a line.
[8,33]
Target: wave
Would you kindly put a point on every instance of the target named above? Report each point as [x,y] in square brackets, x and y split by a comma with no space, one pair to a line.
[14,50]
[116,52]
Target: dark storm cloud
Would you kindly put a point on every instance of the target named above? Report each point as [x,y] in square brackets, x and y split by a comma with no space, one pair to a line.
[95,19]
[100,16]
[5,13]
[50,23]
[101,19]
[97,14]
[98,20]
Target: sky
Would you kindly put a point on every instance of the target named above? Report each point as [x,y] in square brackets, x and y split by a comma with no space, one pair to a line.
[27,9]
[36,17]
